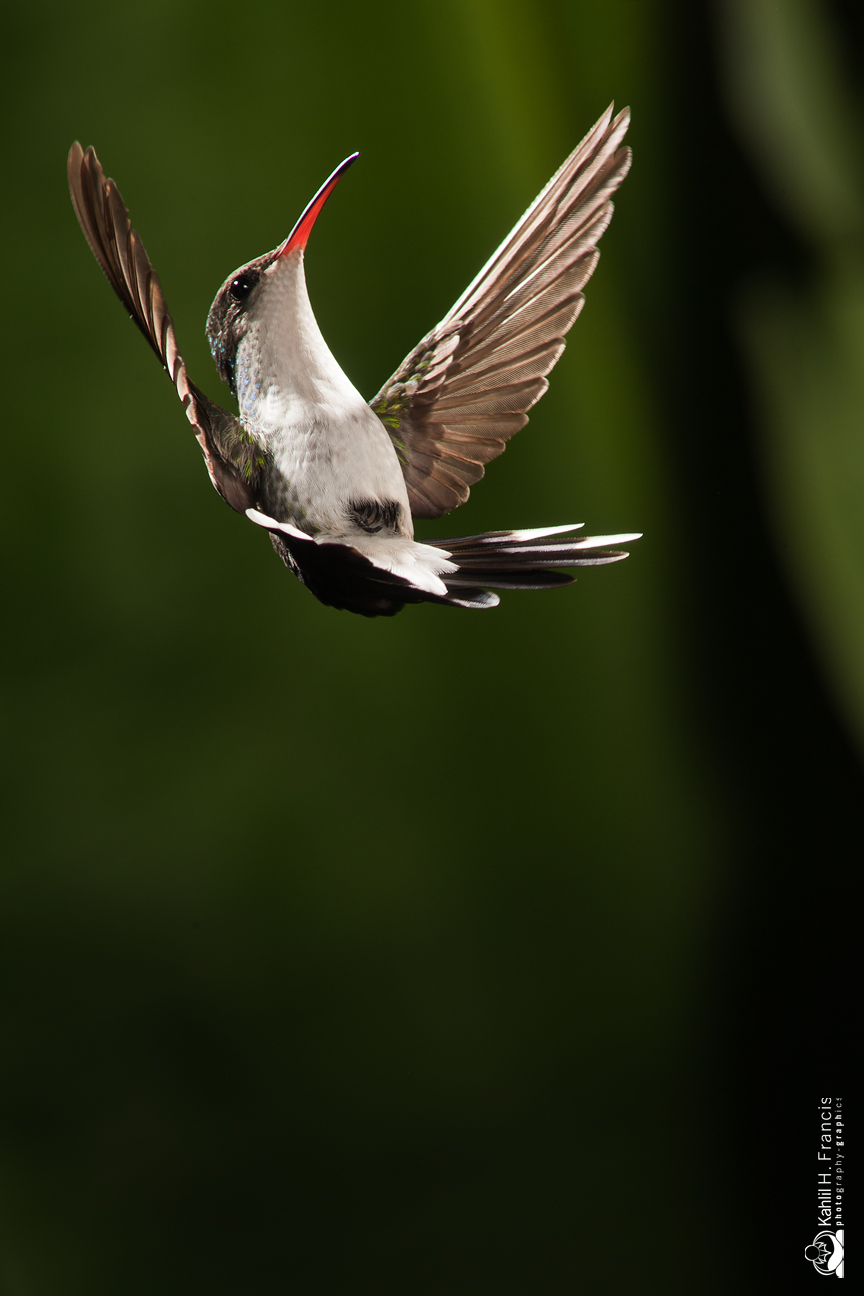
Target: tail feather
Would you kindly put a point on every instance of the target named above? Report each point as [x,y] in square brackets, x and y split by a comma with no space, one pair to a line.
[469,568]
[461,594]
[526,559]
[533,578]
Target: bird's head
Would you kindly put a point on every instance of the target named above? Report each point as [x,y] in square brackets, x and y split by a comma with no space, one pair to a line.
[259,297]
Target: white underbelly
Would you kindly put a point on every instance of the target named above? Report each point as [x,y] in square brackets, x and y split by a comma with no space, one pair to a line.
[318,469]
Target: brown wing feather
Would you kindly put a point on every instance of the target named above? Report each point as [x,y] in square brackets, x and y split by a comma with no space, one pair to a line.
[117,247]
[462,393]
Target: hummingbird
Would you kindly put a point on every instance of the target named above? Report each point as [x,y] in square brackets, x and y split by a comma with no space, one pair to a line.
[338,481]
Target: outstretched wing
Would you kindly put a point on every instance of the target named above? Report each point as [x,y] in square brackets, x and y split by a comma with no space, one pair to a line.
[461,394]
[120,252]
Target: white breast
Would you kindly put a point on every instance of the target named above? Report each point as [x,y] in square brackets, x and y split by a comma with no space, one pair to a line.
[327,446]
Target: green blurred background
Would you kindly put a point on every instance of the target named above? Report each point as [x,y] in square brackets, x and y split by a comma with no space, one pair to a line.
[458,954]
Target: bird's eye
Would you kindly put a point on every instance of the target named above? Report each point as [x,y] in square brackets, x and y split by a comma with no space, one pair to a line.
[242,286]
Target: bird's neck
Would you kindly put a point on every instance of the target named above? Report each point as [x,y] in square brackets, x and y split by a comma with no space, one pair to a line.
[285,370]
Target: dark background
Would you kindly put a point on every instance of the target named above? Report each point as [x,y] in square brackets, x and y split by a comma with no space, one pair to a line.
[455,954]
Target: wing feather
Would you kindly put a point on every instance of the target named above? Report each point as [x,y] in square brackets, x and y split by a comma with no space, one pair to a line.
[461,394]
[117,247]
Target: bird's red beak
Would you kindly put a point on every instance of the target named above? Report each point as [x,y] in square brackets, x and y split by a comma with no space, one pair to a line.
[299,236]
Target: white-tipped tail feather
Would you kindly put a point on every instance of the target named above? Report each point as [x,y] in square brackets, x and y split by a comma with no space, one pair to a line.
[528,559]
